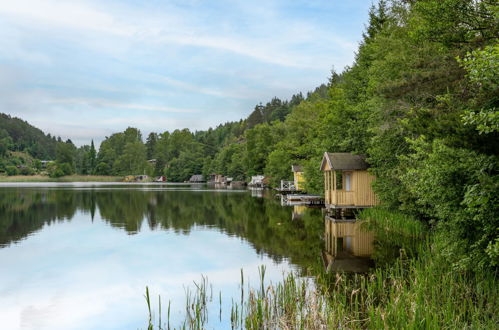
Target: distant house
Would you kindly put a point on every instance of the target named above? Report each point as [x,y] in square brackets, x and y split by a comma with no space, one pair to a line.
[136,178]
[257,181]
[142,177]
[219,178]
[347,184]
[197,178]
[45,163]
[298,177]
[152,161]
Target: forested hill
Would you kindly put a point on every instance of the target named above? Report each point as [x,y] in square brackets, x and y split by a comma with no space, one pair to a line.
[17,135]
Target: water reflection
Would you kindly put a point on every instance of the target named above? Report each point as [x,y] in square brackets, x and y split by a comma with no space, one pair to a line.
[298,211]
[261,221]
[79,257]
[348,246]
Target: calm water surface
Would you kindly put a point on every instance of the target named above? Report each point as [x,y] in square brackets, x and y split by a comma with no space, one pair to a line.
[79,256]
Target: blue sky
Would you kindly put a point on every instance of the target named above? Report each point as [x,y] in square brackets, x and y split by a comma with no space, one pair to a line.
[86,69]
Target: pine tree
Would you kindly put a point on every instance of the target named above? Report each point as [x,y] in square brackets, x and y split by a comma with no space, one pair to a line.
[92,155]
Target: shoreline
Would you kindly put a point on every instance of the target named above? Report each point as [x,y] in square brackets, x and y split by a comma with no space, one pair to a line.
[68,178]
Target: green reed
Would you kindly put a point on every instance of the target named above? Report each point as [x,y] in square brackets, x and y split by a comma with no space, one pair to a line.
[391,222]
[411,293]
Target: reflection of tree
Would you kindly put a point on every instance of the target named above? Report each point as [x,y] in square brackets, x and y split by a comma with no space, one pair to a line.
[24,211]
[265,224]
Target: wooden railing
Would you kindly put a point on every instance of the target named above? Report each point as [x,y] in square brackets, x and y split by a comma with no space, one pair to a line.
[287,185]
[340,197]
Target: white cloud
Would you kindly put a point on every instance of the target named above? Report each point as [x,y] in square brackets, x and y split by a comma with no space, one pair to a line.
[103,103]
[167,29]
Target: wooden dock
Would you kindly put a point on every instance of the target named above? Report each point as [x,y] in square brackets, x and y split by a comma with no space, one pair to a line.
[302,199]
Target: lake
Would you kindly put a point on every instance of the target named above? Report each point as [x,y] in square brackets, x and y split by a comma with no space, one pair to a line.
[79,256]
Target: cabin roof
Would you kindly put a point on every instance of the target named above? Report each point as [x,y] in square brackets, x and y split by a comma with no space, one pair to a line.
[296,168]
[344,161]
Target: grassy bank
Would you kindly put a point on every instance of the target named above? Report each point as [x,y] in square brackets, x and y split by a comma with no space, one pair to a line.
[68,178]
[416,290]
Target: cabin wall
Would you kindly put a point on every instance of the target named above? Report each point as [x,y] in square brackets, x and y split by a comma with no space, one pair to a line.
[363,192]
[299,180]
[360,194]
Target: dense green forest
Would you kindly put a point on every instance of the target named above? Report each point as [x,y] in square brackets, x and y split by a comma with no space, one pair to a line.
[18,135]
[23,147]
[420,100]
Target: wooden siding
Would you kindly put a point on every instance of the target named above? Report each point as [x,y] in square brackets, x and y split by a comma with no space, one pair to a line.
[360,194]
[299,180]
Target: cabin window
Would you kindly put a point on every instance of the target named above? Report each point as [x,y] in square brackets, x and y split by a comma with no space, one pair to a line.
[348,244]
[347,181]
[339,180]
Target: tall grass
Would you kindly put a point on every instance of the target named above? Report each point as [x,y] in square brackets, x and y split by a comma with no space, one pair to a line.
[416,290]
[416,294]
[392,222]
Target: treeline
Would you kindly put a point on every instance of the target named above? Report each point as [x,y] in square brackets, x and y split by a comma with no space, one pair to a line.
[180,154]
[23,147]
[20,144]
[18,135]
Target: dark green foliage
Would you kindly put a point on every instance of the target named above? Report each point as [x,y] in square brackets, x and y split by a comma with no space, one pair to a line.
[11,170]
[457,187]
[103,169]
[122,154]
[55,172]
[92,159]
[24,137]
[273,110]
[152,138]
[66,157]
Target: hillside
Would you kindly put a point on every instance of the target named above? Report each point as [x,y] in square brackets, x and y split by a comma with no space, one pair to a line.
[18,135]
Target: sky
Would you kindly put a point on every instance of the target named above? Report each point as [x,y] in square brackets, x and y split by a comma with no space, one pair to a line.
[84,69]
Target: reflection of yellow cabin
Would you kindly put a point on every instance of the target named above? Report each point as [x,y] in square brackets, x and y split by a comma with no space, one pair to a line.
[347,182]
[298,211]
[348,246]
[347,236]
[298,177]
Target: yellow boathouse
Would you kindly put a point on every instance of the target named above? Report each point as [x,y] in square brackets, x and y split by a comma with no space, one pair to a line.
[298,177]
[347,184]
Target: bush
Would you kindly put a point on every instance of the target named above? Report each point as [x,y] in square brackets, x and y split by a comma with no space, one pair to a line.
[102,169]
[37,164]
[458,188]
[65,168]
[11,170]
[26,171]
[56,172]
